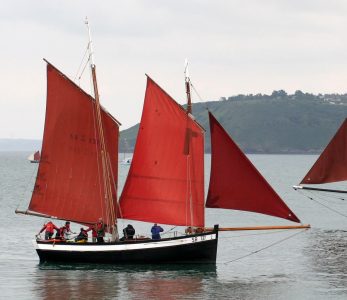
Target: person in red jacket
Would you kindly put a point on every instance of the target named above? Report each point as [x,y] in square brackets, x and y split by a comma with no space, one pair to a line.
[64,231]
[98,231]
[94,234]
[49,227]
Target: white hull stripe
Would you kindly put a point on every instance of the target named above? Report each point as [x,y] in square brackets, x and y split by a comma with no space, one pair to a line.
[121,247]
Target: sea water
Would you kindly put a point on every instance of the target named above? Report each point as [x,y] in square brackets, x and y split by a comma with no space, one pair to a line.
[281,264]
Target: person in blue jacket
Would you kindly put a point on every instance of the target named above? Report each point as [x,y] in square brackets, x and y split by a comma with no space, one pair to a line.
[156,230]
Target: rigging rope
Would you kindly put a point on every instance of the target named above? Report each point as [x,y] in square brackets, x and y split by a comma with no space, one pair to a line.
[166,232]
[200,98]
[326,206]
[264,248]
[29,182]
[79,68]
[258,233]
[96,149]
[329,195]
[196,92]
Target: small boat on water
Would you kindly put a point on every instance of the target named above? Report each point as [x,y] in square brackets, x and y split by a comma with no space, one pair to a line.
[77,177]
[34,157]
[126,161]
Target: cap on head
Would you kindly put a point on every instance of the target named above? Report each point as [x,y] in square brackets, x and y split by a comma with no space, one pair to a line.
[67,222]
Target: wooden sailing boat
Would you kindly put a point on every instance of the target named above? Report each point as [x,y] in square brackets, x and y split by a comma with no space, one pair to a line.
[34,157]
[77,177]
[330,165]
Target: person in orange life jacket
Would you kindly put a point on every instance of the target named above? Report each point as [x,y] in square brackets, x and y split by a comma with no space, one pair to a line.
[156,232]
[64,231]
[49,227]
[82,236]
[100,231]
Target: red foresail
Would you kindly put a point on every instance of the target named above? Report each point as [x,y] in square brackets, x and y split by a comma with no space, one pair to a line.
[165,183]
[235,183]
[69,183]
[331,166]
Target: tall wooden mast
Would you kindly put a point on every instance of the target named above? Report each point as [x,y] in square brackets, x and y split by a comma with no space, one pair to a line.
[188,137]
[105,159]
[187,82]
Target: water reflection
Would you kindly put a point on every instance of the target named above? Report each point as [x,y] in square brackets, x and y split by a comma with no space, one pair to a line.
[54,281]
[58,283]
[327,251]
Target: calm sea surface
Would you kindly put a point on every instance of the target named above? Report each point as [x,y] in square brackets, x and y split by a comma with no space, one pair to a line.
[310,265]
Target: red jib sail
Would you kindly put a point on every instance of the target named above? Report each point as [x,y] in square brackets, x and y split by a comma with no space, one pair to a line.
[69,183]
[331,166]
[235,183]
[165,183]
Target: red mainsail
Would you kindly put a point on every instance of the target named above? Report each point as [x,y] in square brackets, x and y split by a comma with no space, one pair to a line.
[235,183]
[331,166]
[165,183]
[69,183]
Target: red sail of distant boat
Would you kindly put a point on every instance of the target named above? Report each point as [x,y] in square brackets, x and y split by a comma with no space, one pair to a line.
[331,164]
[37,156]
[234,181]
[34,157]
[165,183]
[69,183]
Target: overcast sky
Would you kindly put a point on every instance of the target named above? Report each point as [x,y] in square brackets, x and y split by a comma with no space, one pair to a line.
[233,47]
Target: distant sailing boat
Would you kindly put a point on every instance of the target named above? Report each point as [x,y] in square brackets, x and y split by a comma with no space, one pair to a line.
[34,157]
[77,177]
[126,160]
[331,165]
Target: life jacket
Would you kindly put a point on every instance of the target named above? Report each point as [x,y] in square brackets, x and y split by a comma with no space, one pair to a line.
[50,227]
[93,229]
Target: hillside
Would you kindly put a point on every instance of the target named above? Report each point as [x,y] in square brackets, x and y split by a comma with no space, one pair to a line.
[277,123]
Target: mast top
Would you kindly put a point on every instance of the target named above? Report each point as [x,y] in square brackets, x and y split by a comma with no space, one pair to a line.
[90,44]
[187,83]
[186,71]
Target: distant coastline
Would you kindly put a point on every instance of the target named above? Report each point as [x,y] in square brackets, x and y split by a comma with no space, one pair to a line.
[28,145]
[280,123]
[20,145]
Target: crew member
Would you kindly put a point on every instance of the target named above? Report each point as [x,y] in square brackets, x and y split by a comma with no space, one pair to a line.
[100,231]
[49,227]
[64,231]
[128,232]
[156,232]
[82,236]
[94,235]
